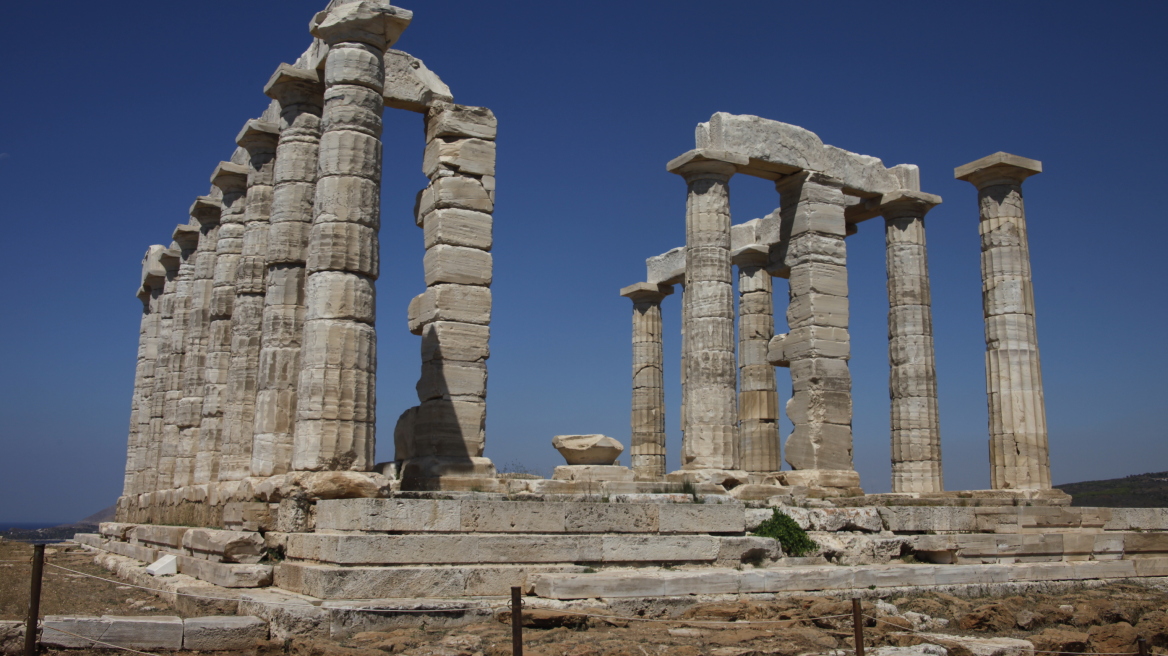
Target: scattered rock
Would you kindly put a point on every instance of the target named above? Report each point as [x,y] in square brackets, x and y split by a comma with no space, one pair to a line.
[1118,638]
[1059,640]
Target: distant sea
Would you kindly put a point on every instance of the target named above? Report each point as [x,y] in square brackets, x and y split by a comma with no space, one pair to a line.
[28,526]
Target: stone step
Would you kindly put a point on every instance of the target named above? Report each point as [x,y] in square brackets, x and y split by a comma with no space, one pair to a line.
[658,583]
[335,582]
[1035,547]
[498,516]
[154,632]
[487,548]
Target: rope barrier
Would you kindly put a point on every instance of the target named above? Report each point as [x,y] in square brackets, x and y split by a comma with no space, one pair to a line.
[96,641]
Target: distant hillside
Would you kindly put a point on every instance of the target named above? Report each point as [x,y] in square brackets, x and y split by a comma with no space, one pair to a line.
[1138,491]
[62,532]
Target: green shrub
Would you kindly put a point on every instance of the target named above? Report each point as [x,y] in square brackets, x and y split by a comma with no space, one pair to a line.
[784,529]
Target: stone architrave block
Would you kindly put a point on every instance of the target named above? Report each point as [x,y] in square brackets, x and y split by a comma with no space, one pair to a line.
[409,85]
[667,268]
[588,449]
[223,633]
[458,265]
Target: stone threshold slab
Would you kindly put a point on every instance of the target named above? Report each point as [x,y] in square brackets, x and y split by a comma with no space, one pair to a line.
[502,516]
[419,581]
[226,633]
[664,583]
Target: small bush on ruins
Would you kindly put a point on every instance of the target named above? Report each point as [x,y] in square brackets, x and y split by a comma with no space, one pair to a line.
[784,529]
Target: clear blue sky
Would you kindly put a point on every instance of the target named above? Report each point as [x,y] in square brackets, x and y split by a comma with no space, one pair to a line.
[114,117]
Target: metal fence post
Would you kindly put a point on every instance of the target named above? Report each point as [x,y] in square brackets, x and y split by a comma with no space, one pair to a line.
[858,623]
[516,621]
[34,600]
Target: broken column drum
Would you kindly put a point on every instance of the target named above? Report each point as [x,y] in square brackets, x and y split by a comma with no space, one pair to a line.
[300,95]
[912,383]
[711,423]
[335,415]
[817,346]
[647,446]
[1019,452]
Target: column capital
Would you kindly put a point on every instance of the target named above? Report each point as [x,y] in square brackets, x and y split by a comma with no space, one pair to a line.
[289,85]
[751,255]
[170,259]
[153,273]
[186,236]
[646,291]
[904,202]
[706,163]
[999,168]
[258,135]
[373,22]
[206,211]
[230,177]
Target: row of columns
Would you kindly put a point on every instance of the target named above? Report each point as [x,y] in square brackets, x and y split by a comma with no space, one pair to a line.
[257,346]
[721,432]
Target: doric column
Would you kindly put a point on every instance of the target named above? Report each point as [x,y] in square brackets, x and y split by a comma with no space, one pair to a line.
[1019,453]
[453,316]
[258,138]
[912,381]
[335,417]
[711,424]
[231,180]
[647,446]
[817,344]
[758,397]
[300,94]
[205,211]
[157,471]
[179,438]
[153,281]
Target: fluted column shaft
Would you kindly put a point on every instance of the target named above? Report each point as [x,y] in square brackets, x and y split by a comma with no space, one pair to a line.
[231,180]
[205,211]
[258,139]
[1019,451]
[817,345]
[299,93]
[153,280]
[711,424]
[912,382]
[335,418]
[647,446]
[180,438]
[758,399]
[157,472]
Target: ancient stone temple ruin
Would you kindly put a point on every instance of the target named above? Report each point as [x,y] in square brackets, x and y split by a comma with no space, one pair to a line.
[251,447]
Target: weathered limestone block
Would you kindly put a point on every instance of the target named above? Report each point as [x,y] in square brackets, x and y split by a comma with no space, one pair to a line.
[341,295]
[469,156]
[711,421]
[588,449]
[455,227]
[455,192]
[758,446]
[1019,453]
[592,473]
[447,340]
[224,546]
[223,633]
[457,303]
[452,379]
[458,265]
[410,85]
[812,211]
[462,121]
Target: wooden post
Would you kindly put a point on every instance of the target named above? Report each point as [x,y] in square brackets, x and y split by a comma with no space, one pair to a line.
[516,621]
[34,600]
[1143,645]
[858,623]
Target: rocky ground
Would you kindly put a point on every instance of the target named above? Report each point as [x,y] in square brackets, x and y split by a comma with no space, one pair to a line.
[1104,620]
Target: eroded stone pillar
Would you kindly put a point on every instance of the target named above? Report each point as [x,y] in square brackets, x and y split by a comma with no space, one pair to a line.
[453,316]
[150,292]
[912,382]
[205,212]
[300,94]
[158,471]
[179,446]
[1019,452]
[817,346]
[711,425]
[335,414]
[258,139]
[647,446]
[758,397]
[231,180]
